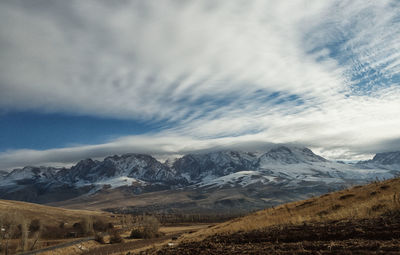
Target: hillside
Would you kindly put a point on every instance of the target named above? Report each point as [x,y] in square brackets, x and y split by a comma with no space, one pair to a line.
[47,214]
[28,227]
[361,220]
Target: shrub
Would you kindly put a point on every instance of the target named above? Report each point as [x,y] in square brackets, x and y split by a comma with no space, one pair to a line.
[87,226]
[136,233]
[11,225]
[377,207]
[99,238]
[115,237]
[77,226]
[100,225]
[343,197]
[35,226]
[24,236]
[84,227]
[52,232]
[148,228]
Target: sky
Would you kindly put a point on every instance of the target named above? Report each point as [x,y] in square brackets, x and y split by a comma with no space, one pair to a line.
[92,78]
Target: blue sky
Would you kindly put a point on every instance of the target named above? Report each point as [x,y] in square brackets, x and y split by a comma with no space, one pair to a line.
[89,78]
[35,130]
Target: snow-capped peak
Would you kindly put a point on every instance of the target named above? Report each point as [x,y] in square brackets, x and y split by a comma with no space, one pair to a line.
[280,165]
[220,163]
[290,155]
[387,158]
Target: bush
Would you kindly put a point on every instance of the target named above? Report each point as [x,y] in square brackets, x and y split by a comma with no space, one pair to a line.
[102,226]
[87,226]
[12,225]
[84,227]
[148,228]
[99,238]
[77,226]
[24,236]
[54,232]
[136,233]
[35,226]
[115,237]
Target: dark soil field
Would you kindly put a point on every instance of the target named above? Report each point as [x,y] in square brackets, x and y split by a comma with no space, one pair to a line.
[371,236]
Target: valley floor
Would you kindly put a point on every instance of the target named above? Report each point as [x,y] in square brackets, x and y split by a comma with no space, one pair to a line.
[87,246]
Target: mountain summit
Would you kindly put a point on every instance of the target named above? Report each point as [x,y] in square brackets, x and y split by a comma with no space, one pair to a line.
[286,170]
[387,158]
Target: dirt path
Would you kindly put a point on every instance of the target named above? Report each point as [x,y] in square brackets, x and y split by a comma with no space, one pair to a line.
[130,245]
[59,246]
[135,246]
[125,247]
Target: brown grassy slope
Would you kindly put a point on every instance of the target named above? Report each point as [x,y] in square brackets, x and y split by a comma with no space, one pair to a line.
[47,214]
[119,198]
[178,201]
[360,202]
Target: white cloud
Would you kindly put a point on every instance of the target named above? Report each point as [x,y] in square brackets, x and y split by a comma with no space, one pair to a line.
[161,146]
[207,67]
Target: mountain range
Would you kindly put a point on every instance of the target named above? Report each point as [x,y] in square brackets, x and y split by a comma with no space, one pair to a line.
[213,181]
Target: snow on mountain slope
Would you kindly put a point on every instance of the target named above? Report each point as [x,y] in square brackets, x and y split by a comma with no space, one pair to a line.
[195,167]
[291,175]
[36,174]
[290,155]
[387,160]
[324,171]
[242,179]
[129,166]
[120,181]
[280,166]
[3,173]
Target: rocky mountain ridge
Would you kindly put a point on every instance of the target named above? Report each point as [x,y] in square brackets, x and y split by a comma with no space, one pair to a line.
[281,168]
[384,159]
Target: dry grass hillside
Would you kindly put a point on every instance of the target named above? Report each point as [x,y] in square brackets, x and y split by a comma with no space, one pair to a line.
[173,201]
[362,220]
[355,203]
[47,214]
[26,227]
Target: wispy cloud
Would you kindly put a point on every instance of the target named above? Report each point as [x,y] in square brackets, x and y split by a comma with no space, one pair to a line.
[322,73]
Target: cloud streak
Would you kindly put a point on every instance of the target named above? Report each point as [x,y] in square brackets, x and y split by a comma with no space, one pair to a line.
[321,73]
